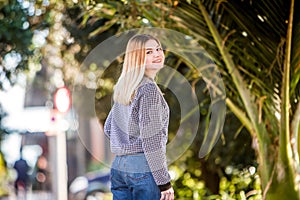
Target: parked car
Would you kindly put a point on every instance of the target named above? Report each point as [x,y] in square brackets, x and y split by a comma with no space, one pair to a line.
[92,186]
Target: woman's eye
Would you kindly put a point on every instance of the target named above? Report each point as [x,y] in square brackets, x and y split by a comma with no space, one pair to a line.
[159,49]
[149,52]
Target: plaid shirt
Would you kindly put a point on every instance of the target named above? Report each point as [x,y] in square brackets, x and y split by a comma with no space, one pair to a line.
[142,126]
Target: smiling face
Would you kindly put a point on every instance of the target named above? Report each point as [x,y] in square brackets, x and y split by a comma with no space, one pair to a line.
[154,57]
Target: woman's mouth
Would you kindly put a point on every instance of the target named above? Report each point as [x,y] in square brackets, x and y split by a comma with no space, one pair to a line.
[157,61]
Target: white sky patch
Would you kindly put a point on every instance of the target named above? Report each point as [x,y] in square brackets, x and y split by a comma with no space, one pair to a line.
[11,60]
[26,25]
[39,38]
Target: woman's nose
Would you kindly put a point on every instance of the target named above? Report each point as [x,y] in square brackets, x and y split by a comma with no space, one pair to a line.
[157,53]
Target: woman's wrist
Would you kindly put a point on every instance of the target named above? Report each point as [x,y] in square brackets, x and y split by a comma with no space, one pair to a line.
[165,186]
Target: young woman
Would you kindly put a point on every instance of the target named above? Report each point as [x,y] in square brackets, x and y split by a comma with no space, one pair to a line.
[137,125]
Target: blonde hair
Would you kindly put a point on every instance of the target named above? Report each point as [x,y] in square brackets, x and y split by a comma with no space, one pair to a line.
[133,68]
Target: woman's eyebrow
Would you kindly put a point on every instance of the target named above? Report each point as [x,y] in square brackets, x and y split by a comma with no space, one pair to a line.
[150,48]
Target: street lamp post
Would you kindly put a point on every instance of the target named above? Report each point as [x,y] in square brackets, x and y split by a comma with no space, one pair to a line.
[62,103]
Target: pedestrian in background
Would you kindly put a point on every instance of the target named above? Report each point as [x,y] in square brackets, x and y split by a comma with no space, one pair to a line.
[137,125]
[22,180]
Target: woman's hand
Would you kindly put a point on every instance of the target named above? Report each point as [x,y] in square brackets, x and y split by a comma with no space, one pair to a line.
[167,194]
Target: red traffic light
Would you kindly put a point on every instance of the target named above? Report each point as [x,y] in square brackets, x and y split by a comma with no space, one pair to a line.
[62,100]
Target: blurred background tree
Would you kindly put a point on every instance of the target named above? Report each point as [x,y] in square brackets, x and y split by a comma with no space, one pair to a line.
[20,40]
[259,65]
[250,42]
[15,49]
[15,40]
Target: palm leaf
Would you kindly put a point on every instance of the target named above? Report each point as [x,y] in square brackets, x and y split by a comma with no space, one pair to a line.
[295,77]
[247,40]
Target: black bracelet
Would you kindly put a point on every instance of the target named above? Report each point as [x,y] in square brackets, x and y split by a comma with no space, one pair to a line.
[165,186]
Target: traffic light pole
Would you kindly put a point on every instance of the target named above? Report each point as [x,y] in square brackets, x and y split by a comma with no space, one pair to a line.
[58,157]
[58,147]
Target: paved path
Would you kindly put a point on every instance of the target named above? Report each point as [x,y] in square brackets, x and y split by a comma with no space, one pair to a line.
[31,195]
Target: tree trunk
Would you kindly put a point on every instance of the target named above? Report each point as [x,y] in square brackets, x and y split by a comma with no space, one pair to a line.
[211,178]
[281,190]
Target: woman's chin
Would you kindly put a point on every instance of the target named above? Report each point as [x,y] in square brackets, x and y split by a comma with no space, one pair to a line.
[155,67]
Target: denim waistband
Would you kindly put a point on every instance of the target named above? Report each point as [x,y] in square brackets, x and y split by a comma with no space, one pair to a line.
[133,163]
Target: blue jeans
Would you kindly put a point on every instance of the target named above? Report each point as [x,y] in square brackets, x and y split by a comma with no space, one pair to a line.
[131,179]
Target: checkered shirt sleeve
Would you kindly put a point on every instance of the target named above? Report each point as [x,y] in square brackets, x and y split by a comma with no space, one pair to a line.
[153,124]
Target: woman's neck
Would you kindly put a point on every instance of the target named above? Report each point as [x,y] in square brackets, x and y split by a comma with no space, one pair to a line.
[151,74]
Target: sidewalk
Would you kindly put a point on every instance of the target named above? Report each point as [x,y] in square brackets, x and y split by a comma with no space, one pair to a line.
[31,195]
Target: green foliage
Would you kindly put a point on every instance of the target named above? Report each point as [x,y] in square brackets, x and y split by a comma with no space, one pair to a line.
[236,185]
[250,60]
[240,185]
[196,178]
[15,38]
[224,173]
[257,53]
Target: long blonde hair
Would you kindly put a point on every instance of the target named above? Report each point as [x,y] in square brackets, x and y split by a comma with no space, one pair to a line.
[133,68]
